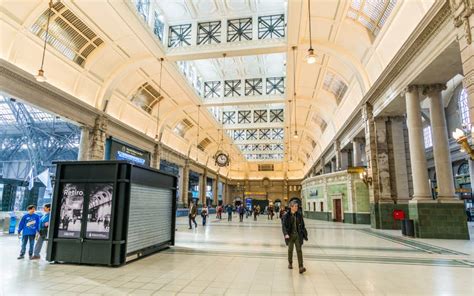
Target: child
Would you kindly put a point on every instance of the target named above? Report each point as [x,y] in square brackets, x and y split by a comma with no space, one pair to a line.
[29,226]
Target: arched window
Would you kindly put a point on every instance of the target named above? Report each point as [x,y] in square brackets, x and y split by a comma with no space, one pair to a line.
[463,108]
[427,136]
[463,169]
[371,14]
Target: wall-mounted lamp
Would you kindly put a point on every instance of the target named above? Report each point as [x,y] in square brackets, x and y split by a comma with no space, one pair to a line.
[461,138]
[365,178]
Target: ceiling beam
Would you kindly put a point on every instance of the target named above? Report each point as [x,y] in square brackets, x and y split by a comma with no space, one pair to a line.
[255,47]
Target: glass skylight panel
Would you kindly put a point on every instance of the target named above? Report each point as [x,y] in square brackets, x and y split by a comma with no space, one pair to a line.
[371,14]
[67,33]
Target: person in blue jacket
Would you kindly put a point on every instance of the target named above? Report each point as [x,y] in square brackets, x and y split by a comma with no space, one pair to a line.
[28,227]
[43,231]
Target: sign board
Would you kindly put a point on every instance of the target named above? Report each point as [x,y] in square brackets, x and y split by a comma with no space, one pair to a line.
[117,150]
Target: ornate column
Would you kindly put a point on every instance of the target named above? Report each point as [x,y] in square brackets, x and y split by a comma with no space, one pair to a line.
[371,151]
[185,188]
[99,132]
[337,152]
[382,158]
[215,190]
[463,17]
[356,152]
[421,188]
[442,157]
[203,187]
[400,164]
[156,157]
[84,144]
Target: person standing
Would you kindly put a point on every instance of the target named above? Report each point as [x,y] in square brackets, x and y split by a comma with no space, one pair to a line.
[43,231]
[204,214]
[229,212]
[27,229]
[294,232]
[192,215]
[255,213]
[241,213]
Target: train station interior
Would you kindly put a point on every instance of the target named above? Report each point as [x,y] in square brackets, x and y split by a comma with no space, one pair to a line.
[122,120]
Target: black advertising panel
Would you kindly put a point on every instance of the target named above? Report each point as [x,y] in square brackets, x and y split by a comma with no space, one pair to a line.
[71,203]
[99,210]
[121,151]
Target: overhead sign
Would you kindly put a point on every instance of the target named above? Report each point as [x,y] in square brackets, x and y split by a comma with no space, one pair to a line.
[121,151]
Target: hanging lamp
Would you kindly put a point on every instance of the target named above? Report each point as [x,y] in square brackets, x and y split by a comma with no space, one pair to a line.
[311,56]
[295,135]
[41,77]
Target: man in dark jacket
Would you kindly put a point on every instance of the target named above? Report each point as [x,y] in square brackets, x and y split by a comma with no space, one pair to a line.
[295,232]
[192,215]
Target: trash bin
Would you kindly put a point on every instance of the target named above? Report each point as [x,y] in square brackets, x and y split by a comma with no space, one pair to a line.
[9,224]
[408,227]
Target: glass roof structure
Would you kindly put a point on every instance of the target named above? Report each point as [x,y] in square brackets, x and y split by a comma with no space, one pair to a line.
[241,92]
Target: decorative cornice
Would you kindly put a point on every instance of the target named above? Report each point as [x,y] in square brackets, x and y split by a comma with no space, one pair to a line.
[461,11]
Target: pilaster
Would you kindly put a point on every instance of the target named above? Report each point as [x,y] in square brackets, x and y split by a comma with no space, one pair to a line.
[84,144]
[99,134]
[156,156]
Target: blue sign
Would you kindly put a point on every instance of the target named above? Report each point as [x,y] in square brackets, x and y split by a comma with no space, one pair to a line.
[125,156]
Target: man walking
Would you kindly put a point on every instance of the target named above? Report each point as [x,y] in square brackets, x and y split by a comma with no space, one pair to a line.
[294,232]
[192,215]
[43,231]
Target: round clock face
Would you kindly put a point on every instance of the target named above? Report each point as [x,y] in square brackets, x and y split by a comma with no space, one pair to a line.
[222,159]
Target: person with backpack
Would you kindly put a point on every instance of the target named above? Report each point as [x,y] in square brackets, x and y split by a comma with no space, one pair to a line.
[295,233]
[27,229]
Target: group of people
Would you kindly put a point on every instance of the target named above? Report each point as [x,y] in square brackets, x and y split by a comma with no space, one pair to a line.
[32,227]
[292,222]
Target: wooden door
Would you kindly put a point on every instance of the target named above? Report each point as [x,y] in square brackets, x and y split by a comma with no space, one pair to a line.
[338,210]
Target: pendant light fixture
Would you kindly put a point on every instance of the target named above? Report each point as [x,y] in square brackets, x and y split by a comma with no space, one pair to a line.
[311,56]
[295,135]
[41,77]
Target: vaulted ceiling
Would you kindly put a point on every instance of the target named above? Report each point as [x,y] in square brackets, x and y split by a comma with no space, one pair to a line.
[237,66]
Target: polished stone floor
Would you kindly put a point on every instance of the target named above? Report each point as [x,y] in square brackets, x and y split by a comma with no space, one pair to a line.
[249,258]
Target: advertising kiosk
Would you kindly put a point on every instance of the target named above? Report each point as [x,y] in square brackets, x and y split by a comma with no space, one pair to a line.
[109,212]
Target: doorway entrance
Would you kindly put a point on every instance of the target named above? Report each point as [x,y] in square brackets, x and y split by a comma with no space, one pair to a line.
[337,210]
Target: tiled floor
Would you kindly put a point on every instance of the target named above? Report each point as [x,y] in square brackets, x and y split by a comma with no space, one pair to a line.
[249,258]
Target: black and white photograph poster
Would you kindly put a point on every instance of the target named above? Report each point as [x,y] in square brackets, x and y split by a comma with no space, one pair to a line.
[99,210]
[72,201]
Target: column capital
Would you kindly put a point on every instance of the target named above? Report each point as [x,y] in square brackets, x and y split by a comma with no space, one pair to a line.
[358,140]
[433,88]
[367,112]
[410,88]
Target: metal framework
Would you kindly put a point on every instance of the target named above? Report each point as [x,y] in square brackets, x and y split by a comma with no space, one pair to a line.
[275,85]
[253,87]
[209,33]
[179,35]
[212,89]
[239,29]
[232,88]
[28,134]
[271,26]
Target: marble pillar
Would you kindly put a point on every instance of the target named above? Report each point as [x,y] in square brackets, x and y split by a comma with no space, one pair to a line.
[338,160]
[84,144]
[419,169]
[202,187]
[185,188]
[382,158]
[400,159]
[215,191]
[441,153]
[356,152]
